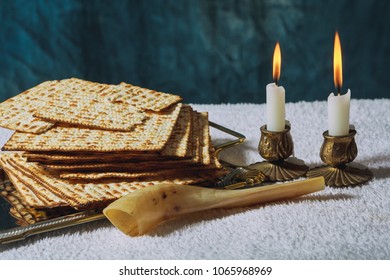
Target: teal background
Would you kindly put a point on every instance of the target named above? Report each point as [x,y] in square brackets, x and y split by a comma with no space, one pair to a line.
[206,51]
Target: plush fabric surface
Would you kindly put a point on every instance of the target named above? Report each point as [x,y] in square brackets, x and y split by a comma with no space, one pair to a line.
[346,223]
[207,51]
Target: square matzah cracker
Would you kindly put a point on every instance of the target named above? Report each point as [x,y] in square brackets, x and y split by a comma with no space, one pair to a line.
[81,103]
[151,136]
[16,113]
[142,98]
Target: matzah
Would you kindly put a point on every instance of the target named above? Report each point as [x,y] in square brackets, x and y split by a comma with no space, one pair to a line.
[134,166]
[18,217]
[204,174]
[177,146]
[107,141]
[89,158]
[205,138]
[151,136]
[21,211]
[81,103]
[180,137]
[29,195]
[123,166]
[83,195]
[33,192]
[202,151]
[16,113]
[142,98]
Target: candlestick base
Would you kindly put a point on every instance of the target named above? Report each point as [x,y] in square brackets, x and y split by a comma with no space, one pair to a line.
[338,152]
[342,176]
[284,170]
[276,148]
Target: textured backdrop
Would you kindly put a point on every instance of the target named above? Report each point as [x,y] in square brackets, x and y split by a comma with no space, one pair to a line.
[207,51]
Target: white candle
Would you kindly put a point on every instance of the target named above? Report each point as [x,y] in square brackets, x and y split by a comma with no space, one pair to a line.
[338,114]
[338,105]
[276,112]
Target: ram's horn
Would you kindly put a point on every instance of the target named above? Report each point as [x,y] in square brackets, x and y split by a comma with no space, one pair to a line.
[139,212]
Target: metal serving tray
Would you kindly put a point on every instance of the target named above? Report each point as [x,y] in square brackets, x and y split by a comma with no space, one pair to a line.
[11,232]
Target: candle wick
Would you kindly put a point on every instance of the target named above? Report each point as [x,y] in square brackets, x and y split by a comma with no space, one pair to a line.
[338,90]
[276,82]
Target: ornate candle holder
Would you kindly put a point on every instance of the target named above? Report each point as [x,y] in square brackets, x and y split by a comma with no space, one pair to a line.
[276,148]
[337,152]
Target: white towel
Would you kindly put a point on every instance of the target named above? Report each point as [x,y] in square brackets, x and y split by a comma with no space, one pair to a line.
[347,223]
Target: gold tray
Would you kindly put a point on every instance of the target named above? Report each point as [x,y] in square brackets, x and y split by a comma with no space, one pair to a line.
[9,232]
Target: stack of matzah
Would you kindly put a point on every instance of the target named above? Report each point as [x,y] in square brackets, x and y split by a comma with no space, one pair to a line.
[81,145]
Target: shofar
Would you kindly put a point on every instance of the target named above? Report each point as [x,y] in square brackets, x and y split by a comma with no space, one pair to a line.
[139,212]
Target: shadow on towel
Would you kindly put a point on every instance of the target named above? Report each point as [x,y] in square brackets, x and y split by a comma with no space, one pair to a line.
[381,172]
[378,164]
[171,226]
[239,154]
[188,220]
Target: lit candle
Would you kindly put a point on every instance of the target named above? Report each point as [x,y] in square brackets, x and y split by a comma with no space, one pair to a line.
[276,112]
[338,105]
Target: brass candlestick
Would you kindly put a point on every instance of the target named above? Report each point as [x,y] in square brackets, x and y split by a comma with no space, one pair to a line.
[276,148]
[338,152]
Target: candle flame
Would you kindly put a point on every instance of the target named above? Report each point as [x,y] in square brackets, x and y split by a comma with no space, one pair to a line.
[277,62]
[337,64]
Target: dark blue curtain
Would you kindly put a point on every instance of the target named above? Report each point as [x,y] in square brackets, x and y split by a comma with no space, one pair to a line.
[208,51]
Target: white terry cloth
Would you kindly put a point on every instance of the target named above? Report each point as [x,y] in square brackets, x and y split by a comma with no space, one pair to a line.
[5,135]
[347,223]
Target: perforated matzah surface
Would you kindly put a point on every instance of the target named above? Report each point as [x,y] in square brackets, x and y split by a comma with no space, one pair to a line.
[151,136]
[17,112]
[82,103]
[142,98]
